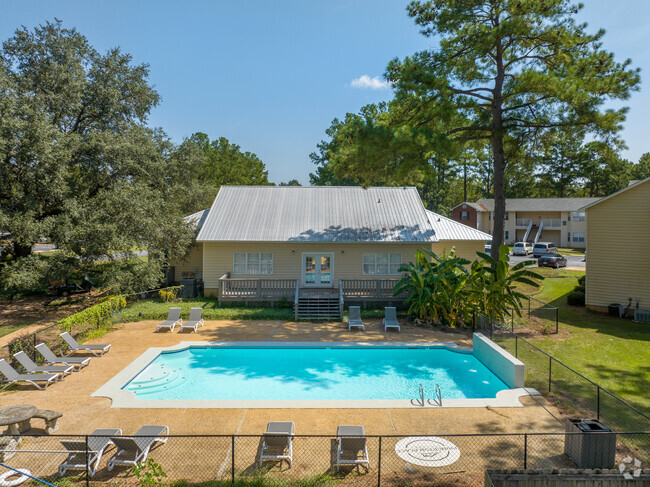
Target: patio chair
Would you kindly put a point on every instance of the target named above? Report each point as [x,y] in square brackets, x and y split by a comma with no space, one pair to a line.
[354,318]
[32,367]
[76,347]
[52,359]
[277,442]
[194,320]
[98,441]
[390,318]
[351,447]
[173,319]
[132,450]
[13,376]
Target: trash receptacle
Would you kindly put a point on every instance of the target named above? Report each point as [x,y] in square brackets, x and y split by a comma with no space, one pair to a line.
[594,448]
[615,309]
[188,289]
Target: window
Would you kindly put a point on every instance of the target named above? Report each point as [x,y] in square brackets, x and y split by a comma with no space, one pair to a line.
[507,217]
[381,264]
[464,215]
[507,235]
[578,237]
[569,236]
[253,263]
[579,216]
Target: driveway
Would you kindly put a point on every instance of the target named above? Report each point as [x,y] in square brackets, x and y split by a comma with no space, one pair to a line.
[572,260]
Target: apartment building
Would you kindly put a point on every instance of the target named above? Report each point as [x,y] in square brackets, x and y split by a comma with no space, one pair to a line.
[558,220]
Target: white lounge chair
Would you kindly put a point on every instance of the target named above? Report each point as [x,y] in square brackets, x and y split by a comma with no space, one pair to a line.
[390,318]
[78,458]
[194,320]
[351,448]
[173,319]
[52,359]
[32,367]
[77,347]
[132,450]
[354,318]
[277,442]
[13,376]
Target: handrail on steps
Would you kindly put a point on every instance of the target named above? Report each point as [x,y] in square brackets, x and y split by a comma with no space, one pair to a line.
[295,300]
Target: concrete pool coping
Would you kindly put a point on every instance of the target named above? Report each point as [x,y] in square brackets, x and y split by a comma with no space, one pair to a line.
[120,398]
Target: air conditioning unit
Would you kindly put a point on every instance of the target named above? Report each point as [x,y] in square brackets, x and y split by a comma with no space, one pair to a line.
[642,315]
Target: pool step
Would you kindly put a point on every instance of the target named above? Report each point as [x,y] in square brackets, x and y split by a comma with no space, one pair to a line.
[156,379]
[312,308]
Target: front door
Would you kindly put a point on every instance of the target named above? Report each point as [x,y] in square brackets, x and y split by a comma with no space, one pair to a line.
[317,269]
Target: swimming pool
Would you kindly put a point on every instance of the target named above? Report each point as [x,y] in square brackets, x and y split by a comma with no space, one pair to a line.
[313,373]
[307,374]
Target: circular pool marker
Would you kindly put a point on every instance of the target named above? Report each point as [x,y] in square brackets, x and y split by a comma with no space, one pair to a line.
[427,451]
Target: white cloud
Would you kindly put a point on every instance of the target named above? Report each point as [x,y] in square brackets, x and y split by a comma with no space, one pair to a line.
[366,81]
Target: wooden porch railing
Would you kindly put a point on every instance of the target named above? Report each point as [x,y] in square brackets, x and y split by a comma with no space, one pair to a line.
[369,288]
[256,288]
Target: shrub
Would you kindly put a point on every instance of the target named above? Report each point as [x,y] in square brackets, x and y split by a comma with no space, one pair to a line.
[581,281]
[23,343]
[169,294]
[96,316]
[576,298]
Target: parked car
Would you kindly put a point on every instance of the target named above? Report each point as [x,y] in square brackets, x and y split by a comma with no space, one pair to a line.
[552,259]
[541,248]
[522,248]
[488,247]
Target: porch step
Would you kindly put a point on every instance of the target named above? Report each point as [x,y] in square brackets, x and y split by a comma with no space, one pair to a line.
[318,308]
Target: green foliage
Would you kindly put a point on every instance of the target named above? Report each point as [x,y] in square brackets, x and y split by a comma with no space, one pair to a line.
[97,316]
[80,168]
[576,297]
[169,294]
[149,473]
[225,164]
[22,343]
[442,289]
[157,310]
[260,480]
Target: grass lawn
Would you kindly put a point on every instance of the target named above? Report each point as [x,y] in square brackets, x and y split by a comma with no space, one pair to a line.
[6,329]
[157,310]
[612,352]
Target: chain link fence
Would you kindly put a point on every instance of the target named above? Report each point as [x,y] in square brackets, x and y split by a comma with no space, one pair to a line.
[235,459]
[568,389]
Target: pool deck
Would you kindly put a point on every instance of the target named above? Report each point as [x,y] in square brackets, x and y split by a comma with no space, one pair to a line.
[82,413]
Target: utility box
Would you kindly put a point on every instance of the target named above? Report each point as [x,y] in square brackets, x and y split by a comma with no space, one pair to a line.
[594,448]
[188,289]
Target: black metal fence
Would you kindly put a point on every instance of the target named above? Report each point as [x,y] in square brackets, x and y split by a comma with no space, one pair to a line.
[458,459]
[570,390]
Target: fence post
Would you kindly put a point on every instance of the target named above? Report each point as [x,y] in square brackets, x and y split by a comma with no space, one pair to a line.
[516,345]
[557,319]
[598,403]
[525,451]
[474,322]
[34,347]
[512,320]
[232,459]
[87,466]
[550,364]
[379,465]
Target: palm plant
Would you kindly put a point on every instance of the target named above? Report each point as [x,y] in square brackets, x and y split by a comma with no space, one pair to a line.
[494,284]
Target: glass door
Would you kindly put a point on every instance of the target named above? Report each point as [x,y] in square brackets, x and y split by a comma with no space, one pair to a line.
[317,269]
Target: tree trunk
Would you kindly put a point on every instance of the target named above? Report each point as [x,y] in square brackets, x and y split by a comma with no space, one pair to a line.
[499,194]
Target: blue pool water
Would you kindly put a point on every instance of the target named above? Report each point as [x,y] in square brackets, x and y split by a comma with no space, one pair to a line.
[314,373]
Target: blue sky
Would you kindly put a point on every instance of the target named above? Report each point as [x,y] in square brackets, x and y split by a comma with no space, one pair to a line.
[271,76]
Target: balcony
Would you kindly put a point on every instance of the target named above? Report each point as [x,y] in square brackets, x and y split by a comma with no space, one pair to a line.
[522,222]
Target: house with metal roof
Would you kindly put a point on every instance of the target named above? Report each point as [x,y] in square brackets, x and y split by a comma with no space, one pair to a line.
[316,246]
[558,220]
[618,267]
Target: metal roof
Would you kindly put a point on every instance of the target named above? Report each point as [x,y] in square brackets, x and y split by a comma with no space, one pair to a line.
[198,219]
[540,204]
[448,229]
[316,214]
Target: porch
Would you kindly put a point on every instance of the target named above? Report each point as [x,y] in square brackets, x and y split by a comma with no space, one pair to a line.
[310,302]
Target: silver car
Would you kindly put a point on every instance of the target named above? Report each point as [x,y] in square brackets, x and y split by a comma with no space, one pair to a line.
[522,248]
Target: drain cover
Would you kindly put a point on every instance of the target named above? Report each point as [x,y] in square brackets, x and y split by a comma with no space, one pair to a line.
[427,451]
